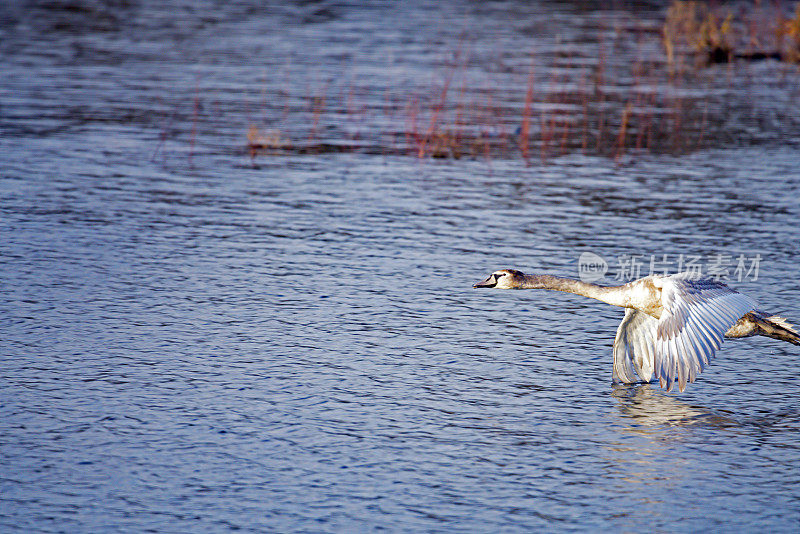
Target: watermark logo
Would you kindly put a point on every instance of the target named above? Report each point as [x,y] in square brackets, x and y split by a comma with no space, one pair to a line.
[591,267]
[718,267]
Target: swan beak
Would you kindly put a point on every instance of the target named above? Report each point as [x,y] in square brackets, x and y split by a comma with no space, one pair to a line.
[489,282]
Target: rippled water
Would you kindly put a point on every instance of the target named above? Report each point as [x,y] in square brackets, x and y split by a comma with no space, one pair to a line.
[198,341]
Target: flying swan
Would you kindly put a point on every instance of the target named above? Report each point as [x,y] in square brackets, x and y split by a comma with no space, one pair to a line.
[673,324]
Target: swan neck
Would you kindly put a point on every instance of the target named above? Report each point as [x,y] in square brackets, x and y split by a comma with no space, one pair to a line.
[616,295]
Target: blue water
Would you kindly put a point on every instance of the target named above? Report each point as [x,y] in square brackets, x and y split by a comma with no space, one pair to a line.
[194,340]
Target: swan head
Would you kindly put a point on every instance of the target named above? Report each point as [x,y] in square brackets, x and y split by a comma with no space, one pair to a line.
[503,279]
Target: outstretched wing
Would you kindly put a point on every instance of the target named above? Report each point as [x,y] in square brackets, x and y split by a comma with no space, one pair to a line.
[634,347]
[696,315]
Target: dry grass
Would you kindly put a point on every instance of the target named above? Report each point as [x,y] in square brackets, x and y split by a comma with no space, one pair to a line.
[598,108]
[717,34]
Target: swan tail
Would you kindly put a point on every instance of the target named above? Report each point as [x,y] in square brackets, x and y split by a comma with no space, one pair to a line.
[777,328]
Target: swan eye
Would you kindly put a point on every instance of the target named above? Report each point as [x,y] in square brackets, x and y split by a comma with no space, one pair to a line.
[498,275]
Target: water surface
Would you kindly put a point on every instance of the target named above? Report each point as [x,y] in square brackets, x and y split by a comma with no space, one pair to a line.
[194,340]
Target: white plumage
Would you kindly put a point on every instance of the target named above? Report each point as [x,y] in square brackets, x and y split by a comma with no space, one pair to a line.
[679,345]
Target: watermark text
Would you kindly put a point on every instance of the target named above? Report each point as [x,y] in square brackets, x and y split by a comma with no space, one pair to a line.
[718,267]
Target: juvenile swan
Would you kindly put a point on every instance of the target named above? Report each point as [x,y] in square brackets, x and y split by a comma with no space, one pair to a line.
[673,324]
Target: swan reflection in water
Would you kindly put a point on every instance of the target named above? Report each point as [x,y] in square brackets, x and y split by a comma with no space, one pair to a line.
[648,456]
[648,407]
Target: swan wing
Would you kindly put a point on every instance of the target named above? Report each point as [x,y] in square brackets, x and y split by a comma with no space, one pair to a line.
[696,315]
[634,347]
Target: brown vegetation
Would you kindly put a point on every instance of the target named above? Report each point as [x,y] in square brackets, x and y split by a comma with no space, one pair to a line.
[718,34]
[596,108]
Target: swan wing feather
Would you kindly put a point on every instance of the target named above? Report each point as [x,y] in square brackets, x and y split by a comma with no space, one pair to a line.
[634,347]
[696,314]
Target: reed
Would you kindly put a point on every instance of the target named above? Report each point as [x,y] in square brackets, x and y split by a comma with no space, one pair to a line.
[557,105]
[525,126]
[621,137]
[317,104]
[714,34]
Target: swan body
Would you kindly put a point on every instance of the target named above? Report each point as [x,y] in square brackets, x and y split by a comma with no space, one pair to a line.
[673,324]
